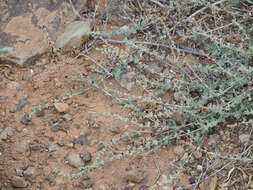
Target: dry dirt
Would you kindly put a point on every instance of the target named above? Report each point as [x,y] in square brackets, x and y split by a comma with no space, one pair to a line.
[31,142]
[71,135]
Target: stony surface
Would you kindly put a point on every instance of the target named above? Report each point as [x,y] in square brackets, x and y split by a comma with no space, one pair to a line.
[27,24]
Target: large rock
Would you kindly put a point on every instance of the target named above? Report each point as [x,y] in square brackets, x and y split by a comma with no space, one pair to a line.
[74,35]
[27,25]
[18,182]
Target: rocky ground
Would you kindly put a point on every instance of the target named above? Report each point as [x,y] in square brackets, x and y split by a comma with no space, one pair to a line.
[52,123]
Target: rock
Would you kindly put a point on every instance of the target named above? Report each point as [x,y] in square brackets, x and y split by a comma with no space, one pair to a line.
[73,35]
[244,138]
[18,182]
[153,68]
[192,180]
[55,127]
[3,97]
[197,154]
[60,143]
[2,86]
[178,150]
[26,131]
[52,148]
[61,107]
[135,175]
[87,184]
[101,146]
[19,172]
[199,168]
[178,117]
[40,112]
[82,140]
[67,117]
[127,80]
[22,103]
[74,160]
[26,119]
[115,130]
[125,138]
[213,139]
[209,183]
[6,133]
[86,156]
[179,96]
[29,173]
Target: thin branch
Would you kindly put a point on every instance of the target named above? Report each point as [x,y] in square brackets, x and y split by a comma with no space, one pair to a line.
[75,11]
[204,8]
[158,3]
[179,47]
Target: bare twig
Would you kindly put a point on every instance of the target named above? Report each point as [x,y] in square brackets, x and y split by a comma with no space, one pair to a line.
[204,8]
[179,47]
[75,11]
[158,3]
[158,171]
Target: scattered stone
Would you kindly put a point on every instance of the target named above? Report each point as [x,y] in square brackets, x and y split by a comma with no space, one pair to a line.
[29,173]
[18,182]
[74,160]
[153,68]
[26,119]
[22,103]
[35,147]
[3,97]
[70,145]
[213,139]
[127,80]
[26,131]
[14,86]
[55,127]
[199,168]
[115,130]
[86,156]
[135,175]
[52,148]
[40,112]
[178,150]
[101,146]
[82,140]
[67,117]
[2,86]
[19,172]
[179,96]
[74,35]
[60,143]
[244,138]
[192,180]
[87,184]
[209,183]
[63,187]
[197,154]
[178,117]
[61,107]
[6,133]
[125,138]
